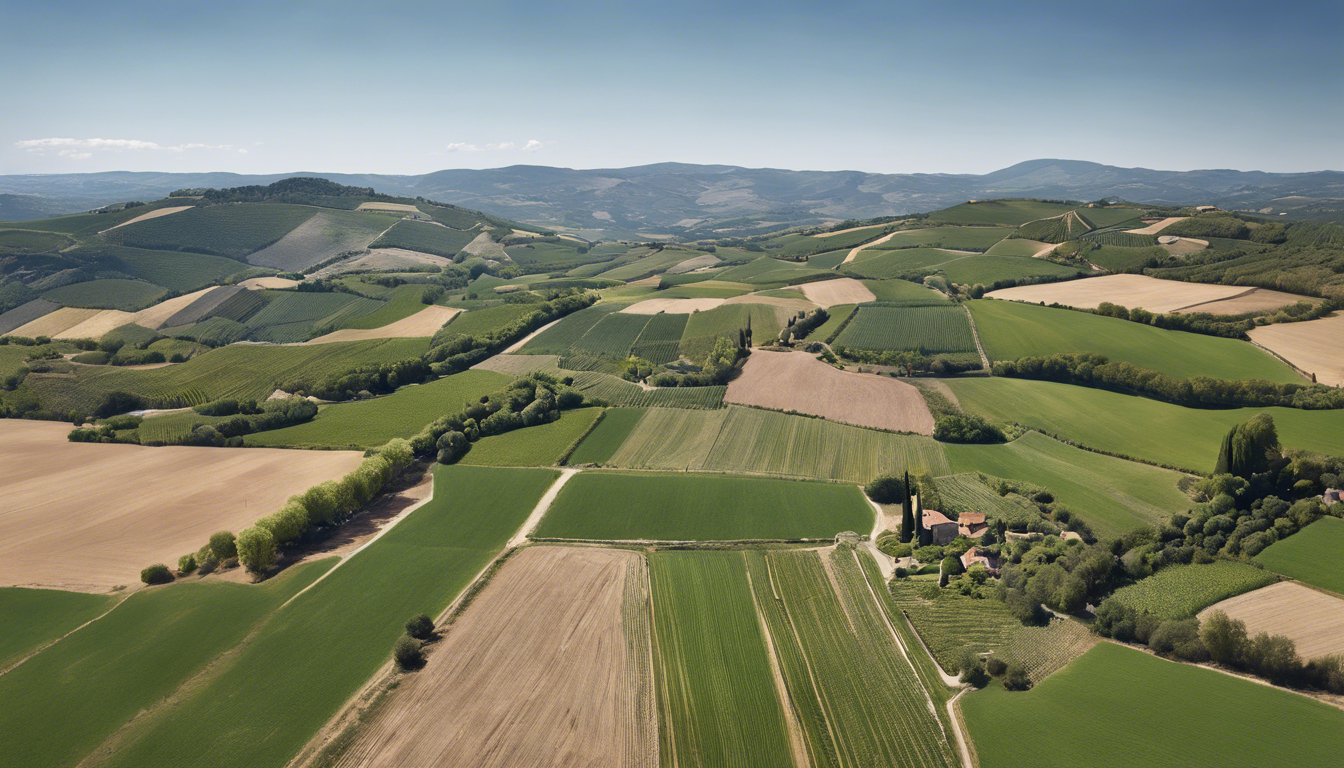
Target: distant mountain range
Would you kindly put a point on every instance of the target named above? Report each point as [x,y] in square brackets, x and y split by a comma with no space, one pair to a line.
[685,200]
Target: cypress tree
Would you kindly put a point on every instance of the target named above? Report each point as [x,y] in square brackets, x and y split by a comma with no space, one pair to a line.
[1224,465]
[925,535]
[907,514]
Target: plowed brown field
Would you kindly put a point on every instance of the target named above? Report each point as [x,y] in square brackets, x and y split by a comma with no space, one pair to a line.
[1315,346]
[426,322]
[539,671]
[797,381]
[1312,619]
[89,516]
[1129,291]
[828,293]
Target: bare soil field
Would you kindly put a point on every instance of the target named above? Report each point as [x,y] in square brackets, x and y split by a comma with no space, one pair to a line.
[1312,619]
[155,316]
[1184,246]
[96,326]
[797,381]
[1253,300]
[89,516]
[1315,346]
[853,229]
[828,293]
[275,283]
[423,323]
[708,260]
[402,207]
[1153,229]
[486,247]
[853,254]
[517,365]
[671,306]
[151,215]
[539,671]
[56,322]
[1129,291]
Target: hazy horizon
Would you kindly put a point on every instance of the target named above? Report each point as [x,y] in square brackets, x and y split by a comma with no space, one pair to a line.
[912,88]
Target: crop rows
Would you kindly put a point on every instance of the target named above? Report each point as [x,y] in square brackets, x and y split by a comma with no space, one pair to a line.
[968,493]
[833,638]
[719,705]
[1184,590]
[233,231]
[932,330]
[703,328]
[953,621]
[1120,238]
[620,392]
[559,338]
[1056,230]
[612,336]
[425,238]
[1045,650]
[660,341]
[767,442]
[126,295]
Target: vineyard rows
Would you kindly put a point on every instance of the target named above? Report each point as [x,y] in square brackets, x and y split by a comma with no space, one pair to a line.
[933,329]
[968,493]
[1120,238]
[623,393]
[1184,590]
[1070,226]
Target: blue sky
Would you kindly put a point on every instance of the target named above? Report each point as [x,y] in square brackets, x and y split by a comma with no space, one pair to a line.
[412,87]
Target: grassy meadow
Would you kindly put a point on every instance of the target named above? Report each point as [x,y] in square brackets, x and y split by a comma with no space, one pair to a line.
[1129,425]
[319,649]
[541,446]
[1311,555]
[1173,714]
[605,438]
[701,507]
[1011,329]
[35,617]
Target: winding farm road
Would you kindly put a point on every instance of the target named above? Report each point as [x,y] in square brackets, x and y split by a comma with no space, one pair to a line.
[539,511]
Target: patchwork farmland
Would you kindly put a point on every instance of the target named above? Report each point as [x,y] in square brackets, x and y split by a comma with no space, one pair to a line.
[688,528]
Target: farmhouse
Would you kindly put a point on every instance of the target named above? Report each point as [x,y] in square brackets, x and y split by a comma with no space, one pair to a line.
[1332,496]
[977,555]
[972,525]
[941,529]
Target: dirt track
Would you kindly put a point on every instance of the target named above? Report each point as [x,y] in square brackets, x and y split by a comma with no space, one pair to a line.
[426,322]
[1153,229]
[796,381]
[278,283]
[88,516]
[151,215]
[1313,620]
[671,306]
[537,672]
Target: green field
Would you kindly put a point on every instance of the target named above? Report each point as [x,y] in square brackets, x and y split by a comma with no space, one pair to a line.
[703,328]
[858,698]
[718,699]
[563,335]
[1310,555]
[291,316]
[932,330]
[184,272]
[604,440]
[1135,426]
[768,271]
[1112,495]
[617,391]
[126,295]
[660,340]
[1017,247]
[692,507]
[61,703]
[478,322]
[330,640]
[425,237]
[1181,591]
[403,301]
[371,423]
[540,446]
[905,293]
[752,440]
[92,223]
[27,241]
[1056,229]
[222,230]
[646,265]
[1011,329]
[988,268]
[35,617]
[967,492]
[1119,258]
[236,371]
[1001,212]
[880,264]
[950,238]
[1173,714]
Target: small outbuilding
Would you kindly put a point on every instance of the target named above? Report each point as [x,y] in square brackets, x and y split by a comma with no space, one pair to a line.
[941,529]
[977,555]
[972,525]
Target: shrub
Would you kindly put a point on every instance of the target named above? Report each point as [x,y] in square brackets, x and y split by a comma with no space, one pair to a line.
[224,545]
[156,574]
[972,668]
[420,627]
[996,666]
[1016,678]
[288,524]
[1178,638]
[408,653]
[256,548]
[965,428]
[886,489]
[206,560]
[186,564]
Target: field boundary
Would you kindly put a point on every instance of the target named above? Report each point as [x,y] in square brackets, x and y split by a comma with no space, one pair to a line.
[975,334]
[115,605]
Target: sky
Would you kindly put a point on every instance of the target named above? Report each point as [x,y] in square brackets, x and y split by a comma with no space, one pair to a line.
[891,87]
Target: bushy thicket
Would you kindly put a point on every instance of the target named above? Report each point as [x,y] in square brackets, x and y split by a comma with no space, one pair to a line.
[802,325]
[1093,370]
[966,428]
[910,360]
[718,367]
[534,399]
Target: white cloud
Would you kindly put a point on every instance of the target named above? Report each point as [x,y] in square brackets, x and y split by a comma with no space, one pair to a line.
[501,146]
[80,149]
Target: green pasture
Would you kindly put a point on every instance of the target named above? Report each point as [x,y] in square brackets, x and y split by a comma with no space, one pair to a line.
[989,268]
[951,238]
[905,293]
[62,703]
[370,423]
[1170,714]
[605,438]
[694,507]
[35,617]
[1134,426]
[425,237]
[234,231]
[1009,213]
[933,330]
[1311,555]
[318,650]
[1112,495]
[478,322]
[1011,329]
[402,302]
[126,295]
[540,446]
